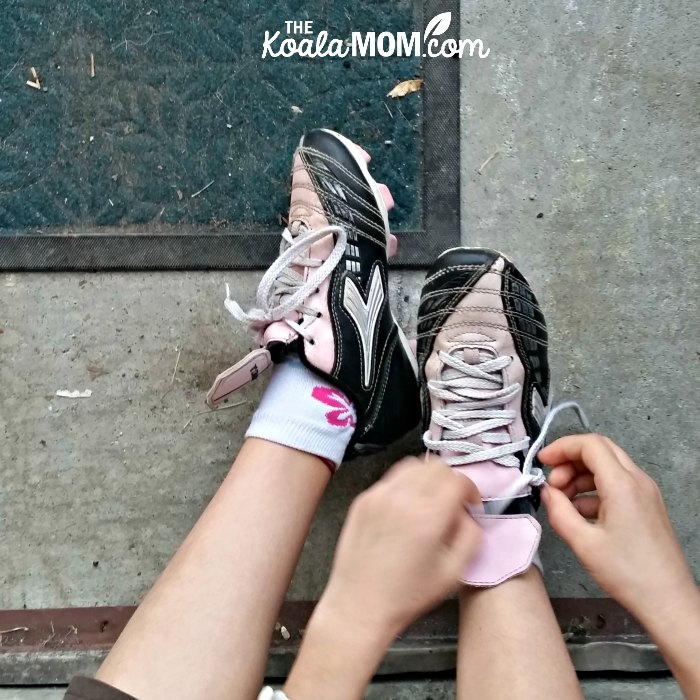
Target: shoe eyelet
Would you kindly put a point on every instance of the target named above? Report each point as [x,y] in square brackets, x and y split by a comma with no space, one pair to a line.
[311,341]
[319,315]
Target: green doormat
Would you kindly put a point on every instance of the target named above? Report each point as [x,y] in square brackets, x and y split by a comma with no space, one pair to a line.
[141,134]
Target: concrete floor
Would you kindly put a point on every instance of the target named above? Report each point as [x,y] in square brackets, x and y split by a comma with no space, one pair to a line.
[116,479]
[591,110]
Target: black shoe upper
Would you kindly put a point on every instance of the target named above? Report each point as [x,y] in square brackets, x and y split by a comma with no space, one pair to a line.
[371,364]
[346,196]
[453,275]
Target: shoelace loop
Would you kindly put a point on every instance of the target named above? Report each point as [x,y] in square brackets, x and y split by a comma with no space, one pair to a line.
[282,289]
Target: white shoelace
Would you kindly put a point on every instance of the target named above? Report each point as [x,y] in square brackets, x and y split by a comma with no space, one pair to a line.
[283,290]
[475,395]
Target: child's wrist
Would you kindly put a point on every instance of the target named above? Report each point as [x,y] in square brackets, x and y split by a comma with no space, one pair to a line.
[339,654]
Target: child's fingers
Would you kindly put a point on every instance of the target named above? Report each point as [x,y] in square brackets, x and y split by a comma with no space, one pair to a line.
[593,452]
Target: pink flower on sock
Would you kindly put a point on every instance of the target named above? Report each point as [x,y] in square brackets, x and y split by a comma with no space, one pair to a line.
[344,415]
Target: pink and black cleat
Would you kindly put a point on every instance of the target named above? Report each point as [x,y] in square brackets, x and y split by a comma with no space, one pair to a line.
[326,297]
[482,352]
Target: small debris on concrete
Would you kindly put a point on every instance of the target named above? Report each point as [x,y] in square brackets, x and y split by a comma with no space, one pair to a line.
[92,65]
[67,394]
[406,87]
[96,371]
[486,162]
[285,633]
[297,110]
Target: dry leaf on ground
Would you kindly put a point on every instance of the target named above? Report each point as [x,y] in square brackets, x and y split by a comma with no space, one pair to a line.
[406,87]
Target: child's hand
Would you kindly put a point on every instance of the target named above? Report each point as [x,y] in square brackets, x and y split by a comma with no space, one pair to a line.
[405,543]
[629,548]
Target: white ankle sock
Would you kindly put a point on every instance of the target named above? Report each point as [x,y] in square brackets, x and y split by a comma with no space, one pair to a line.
[303,411]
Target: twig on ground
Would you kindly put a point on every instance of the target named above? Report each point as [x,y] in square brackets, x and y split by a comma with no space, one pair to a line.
[72,629]
[218,410]
[50,637]
[486,162]
[9,73]
[36,83]
[126,42]
[206,187]
[172,379]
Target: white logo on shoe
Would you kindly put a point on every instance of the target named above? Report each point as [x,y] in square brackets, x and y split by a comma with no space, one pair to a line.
[539,410]
[365,315]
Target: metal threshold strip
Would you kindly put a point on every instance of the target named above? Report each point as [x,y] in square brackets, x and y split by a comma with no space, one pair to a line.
[45,647]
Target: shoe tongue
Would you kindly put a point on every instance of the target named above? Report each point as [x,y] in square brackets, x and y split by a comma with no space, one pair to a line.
[472,356]
[305,207]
